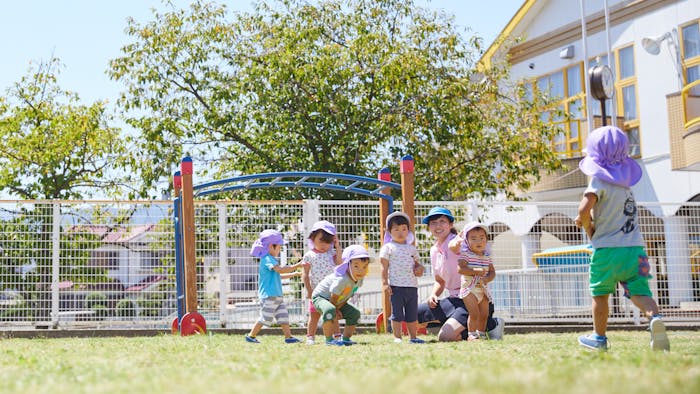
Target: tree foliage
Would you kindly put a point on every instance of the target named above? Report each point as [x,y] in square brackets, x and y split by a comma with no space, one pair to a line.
[53,147]
[336,86]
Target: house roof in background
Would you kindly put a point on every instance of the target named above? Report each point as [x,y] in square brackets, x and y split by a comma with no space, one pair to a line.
[111,234]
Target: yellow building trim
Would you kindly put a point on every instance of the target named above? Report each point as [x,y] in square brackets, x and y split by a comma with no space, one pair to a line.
[506,32]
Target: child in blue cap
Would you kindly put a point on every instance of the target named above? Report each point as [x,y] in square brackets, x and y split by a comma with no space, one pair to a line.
[608,213]
[268,247]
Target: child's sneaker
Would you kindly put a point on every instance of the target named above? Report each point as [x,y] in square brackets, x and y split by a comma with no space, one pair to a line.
[659,339]
[497,332]
[291,340]
[251,339]
[310,340]
[482,335]
[594,341]
[335,342]
[348,342]
[416,340]
[398,340]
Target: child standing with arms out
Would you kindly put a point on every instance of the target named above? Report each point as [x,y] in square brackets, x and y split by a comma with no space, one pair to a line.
[331,296]
[317,263]
[477,271]
[268,247]
[400,269]
[608,213]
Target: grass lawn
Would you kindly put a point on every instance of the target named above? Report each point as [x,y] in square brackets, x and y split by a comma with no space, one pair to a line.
[528,363]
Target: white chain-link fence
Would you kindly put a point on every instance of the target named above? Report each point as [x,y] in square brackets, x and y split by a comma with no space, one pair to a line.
[73,264]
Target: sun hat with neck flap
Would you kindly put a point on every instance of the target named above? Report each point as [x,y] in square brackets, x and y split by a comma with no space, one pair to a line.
[267,237]
[607,157]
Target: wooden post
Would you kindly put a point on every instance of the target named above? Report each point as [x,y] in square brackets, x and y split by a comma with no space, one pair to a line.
[384,175]
[407,203]
[188,236]
[179,274]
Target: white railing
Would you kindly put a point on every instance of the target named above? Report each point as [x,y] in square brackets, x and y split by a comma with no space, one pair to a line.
[100,264]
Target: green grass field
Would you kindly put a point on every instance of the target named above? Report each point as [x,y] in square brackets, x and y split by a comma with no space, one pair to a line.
[528,363]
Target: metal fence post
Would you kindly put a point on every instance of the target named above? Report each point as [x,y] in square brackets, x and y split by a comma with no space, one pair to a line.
[56,259]
[223,265]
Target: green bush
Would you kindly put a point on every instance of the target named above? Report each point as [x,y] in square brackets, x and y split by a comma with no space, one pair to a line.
[125,308]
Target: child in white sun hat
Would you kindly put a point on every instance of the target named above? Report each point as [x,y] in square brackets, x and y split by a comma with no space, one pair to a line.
[608,213]
[400,269]
[477,271]
[319,261]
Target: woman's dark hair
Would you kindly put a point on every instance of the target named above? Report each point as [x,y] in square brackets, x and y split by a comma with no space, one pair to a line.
[325,237]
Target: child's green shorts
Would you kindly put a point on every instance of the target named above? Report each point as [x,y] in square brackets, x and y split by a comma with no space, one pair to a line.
[628,266]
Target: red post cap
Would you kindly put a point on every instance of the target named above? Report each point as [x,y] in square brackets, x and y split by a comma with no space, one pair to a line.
[406,166]
[186,166]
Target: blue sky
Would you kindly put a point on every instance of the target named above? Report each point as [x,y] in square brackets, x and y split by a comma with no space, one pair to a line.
[86,34]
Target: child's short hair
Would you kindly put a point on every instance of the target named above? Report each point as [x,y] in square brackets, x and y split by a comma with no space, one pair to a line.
[325,237]
[397,221]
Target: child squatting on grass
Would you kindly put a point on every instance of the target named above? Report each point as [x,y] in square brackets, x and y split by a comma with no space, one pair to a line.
[608,213]
[267,248]
[477,271]
[331,295]
[320,261]
[400,269]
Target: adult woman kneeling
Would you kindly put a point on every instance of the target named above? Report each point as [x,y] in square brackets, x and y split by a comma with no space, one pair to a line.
[449,313]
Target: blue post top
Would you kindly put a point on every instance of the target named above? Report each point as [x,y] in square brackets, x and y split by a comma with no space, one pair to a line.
[186,159]
[407,157]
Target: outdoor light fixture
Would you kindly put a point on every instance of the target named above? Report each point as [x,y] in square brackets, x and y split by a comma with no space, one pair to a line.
[653,44]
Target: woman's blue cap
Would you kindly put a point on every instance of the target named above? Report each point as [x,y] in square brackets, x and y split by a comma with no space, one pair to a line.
[438,211]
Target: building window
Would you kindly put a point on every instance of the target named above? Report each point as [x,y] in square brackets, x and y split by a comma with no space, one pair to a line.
[690,46]
[566,87]
[625,95]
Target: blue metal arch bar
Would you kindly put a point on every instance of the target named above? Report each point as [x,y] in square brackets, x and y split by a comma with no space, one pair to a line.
[331,181]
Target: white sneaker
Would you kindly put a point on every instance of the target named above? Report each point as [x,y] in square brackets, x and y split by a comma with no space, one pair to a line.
[497,332]
[659,339]
[397,340]
[310,340]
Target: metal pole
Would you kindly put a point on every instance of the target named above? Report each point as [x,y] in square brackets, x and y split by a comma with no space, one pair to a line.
[584,45]
[613,116]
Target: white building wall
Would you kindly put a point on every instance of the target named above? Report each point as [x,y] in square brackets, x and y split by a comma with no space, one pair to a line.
[656,78]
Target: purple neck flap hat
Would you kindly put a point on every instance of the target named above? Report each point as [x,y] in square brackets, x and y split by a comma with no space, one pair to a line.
[324,225]
[607,158]
[349,253]
[387,234]
[262,244]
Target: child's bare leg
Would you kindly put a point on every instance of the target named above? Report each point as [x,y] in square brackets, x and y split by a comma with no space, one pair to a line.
[328,328]
[472,305]
[312,325]
[600,314]
[483,314]
[255,330]
[285,329]
[412,329]
[396,328]
[348,331]
[336,326]
[646,304]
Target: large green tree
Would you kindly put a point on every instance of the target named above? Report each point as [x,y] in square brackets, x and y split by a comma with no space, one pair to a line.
[53,146]
[337,86]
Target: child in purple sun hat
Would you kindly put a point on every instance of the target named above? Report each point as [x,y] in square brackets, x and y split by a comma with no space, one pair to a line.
[608,213]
